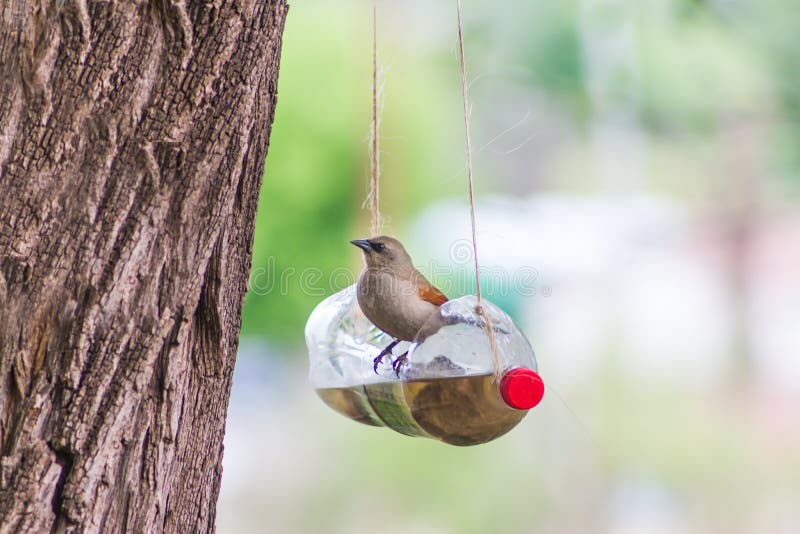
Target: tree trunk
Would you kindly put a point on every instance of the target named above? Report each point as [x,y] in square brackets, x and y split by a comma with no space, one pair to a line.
[132,144]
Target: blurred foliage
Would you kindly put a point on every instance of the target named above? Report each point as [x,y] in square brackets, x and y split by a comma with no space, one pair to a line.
[699,50]
[307,200]
[771,28]
[553,52]
[316,175]
[685,70]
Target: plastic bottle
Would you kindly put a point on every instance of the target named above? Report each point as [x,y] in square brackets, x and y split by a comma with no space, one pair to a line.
[448,389]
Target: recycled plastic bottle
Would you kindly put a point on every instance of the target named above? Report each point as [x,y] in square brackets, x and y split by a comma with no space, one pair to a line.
[453,386]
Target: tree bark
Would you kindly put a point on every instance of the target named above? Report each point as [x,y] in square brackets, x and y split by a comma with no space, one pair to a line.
[132,143]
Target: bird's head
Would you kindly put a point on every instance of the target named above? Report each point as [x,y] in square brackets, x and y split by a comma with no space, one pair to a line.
[384,252]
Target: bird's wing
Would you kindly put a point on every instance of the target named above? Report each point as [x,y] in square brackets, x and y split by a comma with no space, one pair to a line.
[428,291]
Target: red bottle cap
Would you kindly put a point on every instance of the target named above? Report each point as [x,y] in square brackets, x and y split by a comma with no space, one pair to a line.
[522,388]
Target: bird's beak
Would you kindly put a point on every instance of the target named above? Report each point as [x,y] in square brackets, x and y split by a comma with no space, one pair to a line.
[363,244]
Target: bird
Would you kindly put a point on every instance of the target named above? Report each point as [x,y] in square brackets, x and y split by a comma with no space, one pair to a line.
[395,296]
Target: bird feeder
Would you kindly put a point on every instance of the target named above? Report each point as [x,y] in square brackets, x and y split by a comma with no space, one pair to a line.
[470,373]
[454,387]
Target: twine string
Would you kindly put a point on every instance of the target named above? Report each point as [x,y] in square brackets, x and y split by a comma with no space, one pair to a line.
[375,153]
[465,93]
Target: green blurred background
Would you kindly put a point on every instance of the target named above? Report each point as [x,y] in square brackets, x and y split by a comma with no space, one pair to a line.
[640,161]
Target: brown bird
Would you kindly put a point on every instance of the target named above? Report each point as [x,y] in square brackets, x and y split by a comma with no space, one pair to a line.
[395,296]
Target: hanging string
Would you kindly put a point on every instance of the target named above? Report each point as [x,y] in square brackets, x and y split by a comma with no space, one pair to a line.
[375,167]
[465,93]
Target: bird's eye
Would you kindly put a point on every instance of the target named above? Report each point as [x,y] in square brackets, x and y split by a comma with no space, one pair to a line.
[378,247]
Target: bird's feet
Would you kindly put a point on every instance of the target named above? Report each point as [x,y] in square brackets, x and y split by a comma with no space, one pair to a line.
[385,352]
[399,362]
[379,359]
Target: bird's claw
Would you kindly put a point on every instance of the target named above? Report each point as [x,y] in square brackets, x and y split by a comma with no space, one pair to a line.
[399,362]
[385,352]
[379,359]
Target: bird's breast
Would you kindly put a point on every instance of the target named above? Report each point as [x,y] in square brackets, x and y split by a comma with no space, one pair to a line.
[393,304]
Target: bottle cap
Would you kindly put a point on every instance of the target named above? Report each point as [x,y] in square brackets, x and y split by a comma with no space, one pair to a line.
[522,388]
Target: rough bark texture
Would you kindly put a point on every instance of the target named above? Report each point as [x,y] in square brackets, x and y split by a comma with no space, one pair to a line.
[132,143]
